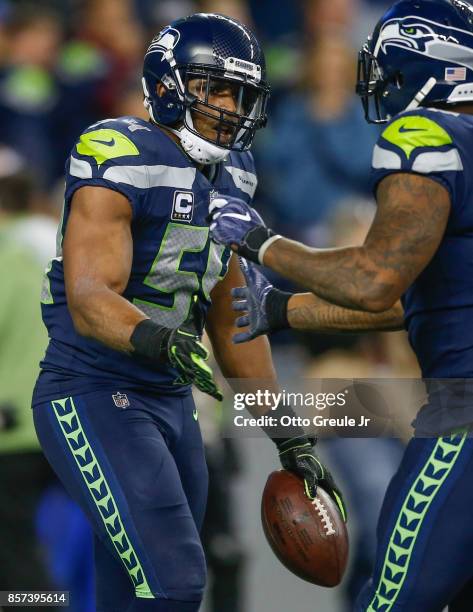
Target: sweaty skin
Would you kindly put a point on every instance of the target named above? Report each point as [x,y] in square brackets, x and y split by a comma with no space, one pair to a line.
[411,218]
[97,253]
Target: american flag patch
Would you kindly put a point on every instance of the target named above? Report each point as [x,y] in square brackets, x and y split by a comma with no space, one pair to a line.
[455,74]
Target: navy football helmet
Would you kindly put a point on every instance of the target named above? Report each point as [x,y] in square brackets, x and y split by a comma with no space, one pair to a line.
[420,54]
[216,52]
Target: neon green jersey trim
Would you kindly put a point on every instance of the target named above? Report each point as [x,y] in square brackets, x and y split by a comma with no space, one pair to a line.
[100,492]
[409,522]
[414,131]
[103,145]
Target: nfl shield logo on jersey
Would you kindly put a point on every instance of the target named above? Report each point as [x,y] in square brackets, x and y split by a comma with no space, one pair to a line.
[120,400]
[183,206]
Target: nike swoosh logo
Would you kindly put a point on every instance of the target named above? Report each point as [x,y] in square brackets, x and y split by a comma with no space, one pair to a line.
[108,143]
[404,129]
[245,217]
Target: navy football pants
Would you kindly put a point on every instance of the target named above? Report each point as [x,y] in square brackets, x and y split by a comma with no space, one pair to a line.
[140,476]
[424,559]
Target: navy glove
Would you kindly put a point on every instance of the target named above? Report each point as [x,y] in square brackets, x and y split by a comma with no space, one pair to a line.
[236,224]
[266,306]
[298,456]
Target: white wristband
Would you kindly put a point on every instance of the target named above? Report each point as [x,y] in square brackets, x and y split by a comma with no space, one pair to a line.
[265,246]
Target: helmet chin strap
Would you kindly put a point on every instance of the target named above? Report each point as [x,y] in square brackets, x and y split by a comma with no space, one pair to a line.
[200,150]
[421,94]
[196,147]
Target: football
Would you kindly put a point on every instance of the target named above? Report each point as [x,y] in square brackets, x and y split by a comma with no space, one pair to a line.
[309,537]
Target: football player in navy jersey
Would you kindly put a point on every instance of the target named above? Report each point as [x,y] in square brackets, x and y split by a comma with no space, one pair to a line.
[415,75]
[125,302]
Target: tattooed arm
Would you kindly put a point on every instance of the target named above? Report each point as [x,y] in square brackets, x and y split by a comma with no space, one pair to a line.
[409,224]
[306,311]
[268,309]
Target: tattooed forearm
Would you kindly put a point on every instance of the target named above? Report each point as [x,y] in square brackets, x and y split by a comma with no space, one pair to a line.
[344,277]
[309,312]
[410,221]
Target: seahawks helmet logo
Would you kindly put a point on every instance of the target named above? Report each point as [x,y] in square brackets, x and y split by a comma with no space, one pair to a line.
[428,38]
[165,41]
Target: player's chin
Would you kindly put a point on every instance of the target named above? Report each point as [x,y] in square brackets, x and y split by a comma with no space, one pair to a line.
[222,135]
[225,139]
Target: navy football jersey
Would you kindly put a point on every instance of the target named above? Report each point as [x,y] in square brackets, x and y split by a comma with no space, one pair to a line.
[173,256]
[439,304]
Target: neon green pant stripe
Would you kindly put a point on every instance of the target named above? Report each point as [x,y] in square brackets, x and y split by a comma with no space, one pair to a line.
[414,509]
[100,492]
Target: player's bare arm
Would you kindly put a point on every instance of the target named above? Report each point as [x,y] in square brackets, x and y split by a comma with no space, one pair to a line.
[97,262]
[306,311]
[411,218]
[409,224]
[251,360]
[267,309]
[362,284]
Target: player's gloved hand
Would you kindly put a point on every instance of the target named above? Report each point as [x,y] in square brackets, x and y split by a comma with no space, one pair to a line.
[298,455]
[265,306]
[237,225]
[181,347]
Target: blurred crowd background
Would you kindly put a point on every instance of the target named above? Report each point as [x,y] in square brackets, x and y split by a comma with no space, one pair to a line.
[65,64]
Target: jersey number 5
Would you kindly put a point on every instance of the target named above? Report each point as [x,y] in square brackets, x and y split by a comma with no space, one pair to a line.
[166,277]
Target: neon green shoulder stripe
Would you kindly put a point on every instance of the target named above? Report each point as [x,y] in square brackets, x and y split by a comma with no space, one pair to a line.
[414,131]
[104,144]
